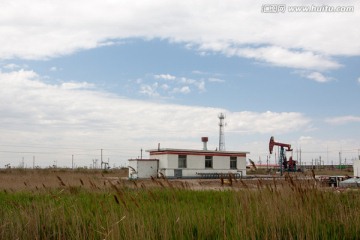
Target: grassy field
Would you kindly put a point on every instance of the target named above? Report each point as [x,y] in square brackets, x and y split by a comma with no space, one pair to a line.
[100,205]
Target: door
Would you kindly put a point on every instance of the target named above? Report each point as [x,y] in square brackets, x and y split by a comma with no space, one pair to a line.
[178,173]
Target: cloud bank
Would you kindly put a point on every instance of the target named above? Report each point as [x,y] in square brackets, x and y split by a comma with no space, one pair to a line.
[33,112]
[49,29]
[343,120]
[77,105]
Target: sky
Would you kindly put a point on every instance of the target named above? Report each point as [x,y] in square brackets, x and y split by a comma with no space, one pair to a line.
[83,77]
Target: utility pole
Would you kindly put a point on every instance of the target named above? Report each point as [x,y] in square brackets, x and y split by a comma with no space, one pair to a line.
[327,154]
[72,161]
[33,162]
[340,160]
[101,160]
[297,154]
[312,163]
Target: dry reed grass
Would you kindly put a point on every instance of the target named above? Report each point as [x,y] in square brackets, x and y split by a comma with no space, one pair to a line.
[98,206]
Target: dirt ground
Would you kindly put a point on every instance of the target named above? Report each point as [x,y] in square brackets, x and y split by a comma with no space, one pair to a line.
[37,179]
[29,179]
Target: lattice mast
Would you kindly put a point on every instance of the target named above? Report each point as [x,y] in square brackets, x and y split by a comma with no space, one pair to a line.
[221,117]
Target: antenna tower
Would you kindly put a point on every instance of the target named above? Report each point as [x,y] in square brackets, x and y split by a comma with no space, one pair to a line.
[221,117]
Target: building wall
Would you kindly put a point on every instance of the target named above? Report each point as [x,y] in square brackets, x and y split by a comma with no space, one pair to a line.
[172,160]
[241,164]
[196,164]
[356,168]
[163,163]
[143,168]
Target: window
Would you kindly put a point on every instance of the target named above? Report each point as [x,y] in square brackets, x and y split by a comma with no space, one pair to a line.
[208,161]
[182,161]
[233,162]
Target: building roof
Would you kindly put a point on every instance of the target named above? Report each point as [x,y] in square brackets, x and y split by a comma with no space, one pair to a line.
[195,152]
[143,159]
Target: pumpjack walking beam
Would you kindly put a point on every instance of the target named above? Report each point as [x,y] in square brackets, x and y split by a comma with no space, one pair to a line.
[282,156]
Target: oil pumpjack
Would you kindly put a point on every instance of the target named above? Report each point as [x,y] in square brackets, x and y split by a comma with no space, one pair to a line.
[284,164]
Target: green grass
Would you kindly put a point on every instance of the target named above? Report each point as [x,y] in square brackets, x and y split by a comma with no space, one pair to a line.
[287,211]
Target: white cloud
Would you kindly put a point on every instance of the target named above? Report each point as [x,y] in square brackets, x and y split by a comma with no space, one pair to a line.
[53,69]
[165,76]
[36,112]
[11,66]
[165,87]
[51,29]
[318,77]
[282,57]
[343,120]
[217,80]
[173,85]
[185,80]
[149,90]
[251,122]
[315,76]
[76,85]
[183,90]
[199,72]
[201,86]
[19,75]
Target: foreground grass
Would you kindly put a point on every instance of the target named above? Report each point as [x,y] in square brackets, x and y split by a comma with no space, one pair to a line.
[290,211]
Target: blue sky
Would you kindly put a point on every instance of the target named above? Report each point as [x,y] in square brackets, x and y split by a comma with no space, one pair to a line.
[77,78]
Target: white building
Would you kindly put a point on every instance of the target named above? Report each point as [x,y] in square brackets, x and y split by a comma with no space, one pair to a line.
[143,168]
[356,167]
[186,163]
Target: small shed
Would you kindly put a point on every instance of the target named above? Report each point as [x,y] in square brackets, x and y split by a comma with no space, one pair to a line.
[143,168]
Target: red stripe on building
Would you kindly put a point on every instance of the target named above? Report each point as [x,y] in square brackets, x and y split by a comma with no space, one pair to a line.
[223,154]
